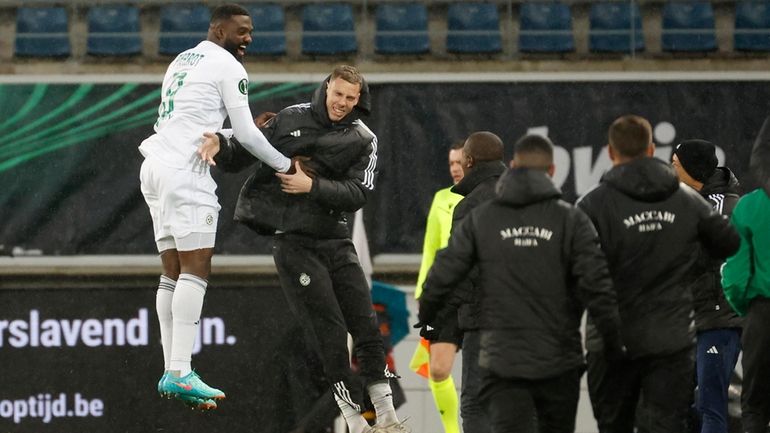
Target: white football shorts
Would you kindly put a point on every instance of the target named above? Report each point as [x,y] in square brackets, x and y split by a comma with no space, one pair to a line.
[183,205]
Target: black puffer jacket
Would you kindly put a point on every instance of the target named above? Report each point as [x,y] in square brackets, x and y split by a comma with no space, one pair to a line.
[711,307]
[540,263]
[651,230]
[343,154]
[476,188]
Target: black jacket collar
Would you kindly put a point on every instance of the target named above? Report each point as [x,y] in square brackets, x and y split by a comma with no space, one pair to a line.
[646,179]
[522,186]
[723,181]
[481,172]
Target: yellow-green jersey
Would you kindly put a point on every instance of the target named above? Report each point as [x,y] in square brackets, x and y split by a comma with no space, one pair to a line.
[437,231]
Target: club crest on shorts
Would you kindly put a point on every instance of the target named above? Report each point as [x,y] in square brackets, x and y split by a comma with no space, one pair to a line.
[304,279]
[209,219]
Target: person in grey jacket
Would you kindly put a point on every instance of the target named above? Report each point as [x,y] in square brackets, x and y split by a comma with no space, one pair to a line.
[540,266]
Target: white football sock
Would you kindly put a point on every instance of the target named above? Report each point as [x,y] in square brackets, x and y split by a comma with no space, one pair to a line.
[186,310]
[163,307]
[382,399]
[356,422]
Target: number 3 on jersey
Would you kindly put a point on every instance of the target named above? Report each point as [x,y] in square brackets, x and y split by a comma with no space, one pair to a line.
[167,102]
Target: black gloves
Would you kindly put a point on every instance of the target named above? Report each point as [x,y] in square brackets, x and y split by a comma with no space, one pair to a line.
[428,332]
[426,317]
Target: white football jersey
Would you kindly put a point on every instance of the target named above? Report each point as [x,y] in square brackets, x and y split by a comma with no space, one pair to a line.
[200,85]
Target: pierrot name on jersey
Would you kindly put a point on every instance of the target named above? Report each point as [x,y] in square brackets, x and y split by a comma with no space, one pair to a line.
[199,87]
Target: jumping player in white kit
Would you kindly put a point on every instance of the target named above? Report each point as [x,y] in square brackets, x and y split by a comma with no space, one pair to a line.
[202,87]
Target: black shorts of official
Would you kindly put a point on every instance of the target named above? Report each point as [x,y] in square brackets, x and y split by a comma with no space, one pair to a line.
[450,331]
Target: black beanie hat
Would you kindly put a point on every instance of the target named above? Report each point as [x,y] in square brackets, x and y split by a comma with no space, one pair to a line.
[698,158]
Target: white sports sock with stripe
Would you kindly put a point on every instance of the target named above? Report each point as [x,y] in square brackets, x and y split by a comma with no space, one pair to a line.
[163,307]
[186,309]
[382,399]
[355,421]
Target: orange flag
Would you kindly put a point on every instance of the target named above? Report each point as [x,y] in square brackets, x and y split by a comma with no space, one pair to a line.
[420,362]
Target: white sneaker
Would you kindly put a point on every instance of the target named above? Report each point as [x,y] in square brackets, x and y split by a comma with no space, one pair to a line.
[399,427]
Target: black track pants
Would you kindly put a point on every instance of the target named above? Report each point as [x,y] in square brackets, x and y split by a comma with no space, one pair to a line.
[328,293]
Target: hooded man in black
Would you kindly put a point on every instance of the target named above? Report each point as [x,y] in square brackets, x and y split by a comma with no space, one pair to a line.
[306,211]
[539,266]
[651,231]
[718,327]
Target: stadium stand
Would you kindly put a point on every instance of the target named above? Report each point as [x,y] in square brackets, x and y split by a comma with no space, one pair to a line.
[182,27]
[269,36]
[688,26]
[734,33]
[473,28]
[42,32]
[328,29]
[402,28]
[615,27]
[114,30]
[545,27]
[752,26]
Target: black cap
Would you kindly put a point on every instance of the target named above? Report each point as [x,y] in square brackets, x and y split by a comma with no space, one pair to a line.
[698,158]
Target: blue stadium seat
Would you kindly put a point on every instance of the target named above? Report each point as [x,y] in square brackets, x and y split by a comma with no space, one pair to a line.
[182,27]
[752,26]
[269,36]
[402,28]
[42,32]
[688,26]
[473,28]
[545,27]
[328,28]
[612,25]
[114,31]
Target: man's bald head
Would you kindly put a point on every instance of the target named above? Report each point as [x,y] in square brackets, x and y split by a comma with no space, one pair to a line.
[480,147]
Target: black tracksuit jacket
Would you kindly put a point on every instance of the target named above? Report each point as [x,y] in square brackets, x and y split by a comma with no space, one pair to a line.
[343,155]
[712,311]
[476,188]
[651,230]
[540,264]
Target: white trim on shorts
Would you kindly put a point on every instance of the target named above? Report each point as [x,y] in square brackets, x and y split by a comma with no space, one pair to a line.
[190,242]
[183,205]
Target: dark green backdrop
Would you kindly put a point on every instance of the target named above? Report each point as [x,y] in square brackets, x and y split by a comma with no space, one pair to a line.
[69,164]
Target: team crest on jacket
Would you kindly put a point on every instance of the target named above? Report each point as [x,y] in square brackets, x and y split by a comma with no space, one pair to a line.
[304,279]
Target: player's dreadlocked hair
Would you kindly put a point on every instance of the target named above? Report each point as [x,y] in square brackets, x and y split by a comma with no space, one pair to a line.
[226,11]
